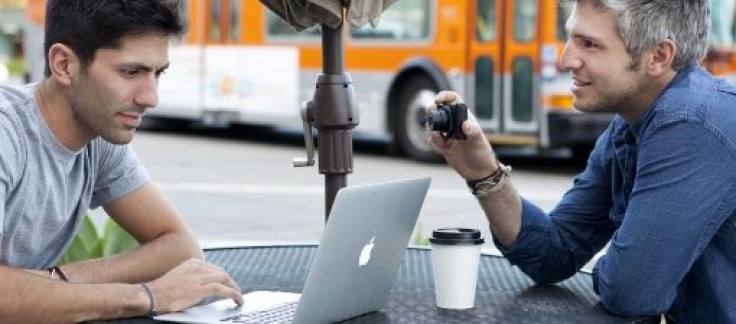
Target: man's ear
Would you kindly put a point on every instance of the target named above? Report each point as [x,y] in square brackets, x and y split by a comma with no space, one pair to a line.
[661,57]
[63,63]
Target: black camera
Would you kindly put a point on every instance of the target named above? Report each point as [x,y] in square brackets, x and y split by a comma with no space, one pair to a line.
[448,120]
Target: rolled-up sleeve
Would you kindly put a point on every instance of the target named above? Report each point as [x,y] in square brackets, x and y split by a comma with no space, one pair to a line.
[551,248]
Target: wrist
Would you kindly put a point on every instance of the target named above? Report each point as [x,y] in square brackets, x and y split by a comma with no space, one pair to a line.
[57,274]
[485,172]
[132,301]
[151,308]
[491,183]
[478,168]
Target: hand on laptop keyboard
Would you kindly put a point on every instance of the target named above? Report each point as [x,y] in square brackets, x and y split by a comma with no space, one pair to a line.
[191,282]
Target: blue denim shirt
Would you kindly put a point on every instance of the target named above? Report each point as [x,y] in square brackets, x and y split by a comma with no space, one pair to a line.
[663,191]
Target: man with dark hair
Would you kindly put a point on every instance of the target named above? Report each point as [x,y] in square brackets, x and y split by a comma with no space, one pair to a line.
[62,151]
[659,184]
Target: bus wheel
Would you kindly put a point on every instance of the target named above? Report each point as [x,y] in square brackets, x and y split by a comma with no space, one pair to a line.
[410,131]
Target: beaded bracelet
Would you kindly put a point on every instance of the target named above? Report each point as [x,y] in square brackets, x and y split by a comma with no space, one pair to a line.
[153,311]
[56,272]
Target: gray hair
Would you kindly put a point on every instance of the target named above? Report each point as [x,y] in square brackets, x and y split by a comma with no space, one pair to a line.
[642,24]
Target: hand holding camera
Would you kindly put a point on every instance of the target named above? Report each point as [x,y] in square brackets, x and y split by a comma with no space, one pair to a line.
[465,149]
[448,120]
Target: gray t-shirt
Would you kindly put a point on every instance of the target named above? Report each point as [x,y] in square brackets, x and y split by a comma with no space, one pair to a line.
[46,189]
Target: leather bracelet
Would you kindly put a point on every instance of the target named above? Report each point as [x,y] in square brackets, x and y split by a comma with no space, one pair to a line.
[56,272]
[153,311]
[486,186]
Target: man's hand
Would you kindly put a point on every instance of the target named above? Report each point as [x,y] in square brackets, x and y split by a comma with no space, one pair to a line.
[472,158]
[189,283]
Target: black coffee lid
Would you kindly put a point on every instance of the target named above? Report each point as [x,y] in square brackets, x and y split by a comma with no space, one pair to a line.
[456,236]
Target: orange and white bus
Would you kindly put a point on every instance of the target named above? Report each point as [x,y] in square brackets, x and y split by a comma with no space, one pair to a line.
[241,64]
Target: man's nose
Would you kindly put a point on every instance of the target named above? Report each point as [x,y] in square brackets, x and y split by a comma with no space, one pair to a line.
[569,59]
[147,95]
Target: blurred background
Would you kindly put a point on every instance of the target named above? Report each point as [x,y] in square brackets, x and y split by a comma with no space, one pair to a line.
[222,140]
[13,26]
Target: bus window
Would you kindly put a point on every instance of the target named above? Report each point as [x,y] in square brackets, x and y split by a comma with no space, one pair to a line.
[182,8]
[404,20]
[277,28]
[525,20]
[235,20]
[484,87]
[722,27]
[486,26]
[483,72]
[213,34]
[564,9]
[521,104]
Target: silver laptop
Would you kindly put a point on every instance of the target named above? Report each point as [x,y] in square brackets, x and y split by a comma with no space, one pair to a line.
[358,256]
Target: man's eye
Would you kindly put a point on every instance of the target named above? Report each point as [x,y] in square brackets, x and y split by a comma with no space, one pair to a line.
[159,73]
[587,43]
[130,73]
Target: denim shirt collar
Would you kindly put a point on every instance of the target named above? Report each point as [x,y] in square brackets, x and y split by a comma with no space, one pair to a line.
[636,129]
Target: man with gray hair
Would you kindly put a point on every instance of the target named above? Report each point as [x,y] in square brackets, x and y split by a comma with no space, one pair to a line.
[659,184]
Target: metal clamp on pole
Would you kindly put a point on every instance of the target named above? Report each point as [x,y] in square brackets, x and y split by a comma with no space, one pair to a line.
[332,111]
[335,115]
[306,111]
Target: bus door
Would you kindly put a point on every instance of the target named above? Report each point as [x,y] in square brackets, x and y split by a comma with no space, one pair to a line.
[521,47]
[502,54]
[485,58]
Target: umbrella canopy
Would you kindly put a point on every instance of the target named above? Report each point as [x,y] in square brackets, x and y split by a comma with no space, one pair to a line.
[302,14]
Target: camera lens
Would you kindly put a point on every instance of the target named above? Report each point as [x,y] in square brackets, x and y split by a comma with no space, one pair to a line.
[439,121]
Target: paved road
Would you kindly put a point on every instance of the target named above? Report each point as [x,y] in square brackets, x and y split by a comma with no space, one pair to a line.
[242,188]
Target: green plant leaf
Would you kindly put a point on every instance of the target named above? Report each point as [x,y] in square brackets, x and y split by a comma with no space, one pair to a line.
[88,234]
[419,238]
[16,66]
[89,244]
[116,240]
[85,245]
[77,251]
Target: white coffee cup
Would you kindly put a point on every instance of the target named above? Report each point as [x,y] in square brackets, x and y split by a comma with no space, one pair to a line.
[455,261]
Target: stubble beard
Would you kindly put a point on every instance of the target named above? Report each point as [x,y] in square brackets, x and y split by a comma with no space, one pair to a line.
[88,107]
[618,102]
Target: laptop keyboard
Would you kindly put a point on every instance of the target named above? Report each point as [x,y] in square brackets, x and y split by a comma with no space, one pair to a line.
[278,315]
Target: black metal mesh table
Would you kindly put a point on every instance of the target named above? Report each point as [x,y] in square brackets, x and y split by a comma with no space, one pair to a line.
[504,295]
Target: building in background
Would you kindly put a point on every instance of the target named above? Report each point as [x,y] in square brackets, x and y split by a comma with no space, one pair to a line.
[34,58]
[12,26]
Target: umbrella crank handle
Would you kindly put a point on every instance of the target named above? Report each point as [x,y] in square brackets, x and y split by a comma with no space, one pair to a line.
[306,112]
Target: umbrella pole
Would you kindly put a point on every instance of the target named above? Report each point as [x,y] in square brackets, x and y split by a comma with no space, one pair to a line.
[336,115]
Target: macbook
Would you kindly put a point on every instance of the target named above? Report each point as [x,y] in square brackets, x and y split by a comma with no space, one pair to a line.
[357,260]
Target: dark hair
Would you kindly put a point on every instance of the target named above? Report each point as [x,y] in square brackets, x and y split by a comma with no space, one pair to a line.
[88,25]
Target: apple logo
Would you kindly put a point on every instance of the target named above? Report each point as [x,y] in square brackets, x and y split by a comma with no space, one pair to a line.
[365,254]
